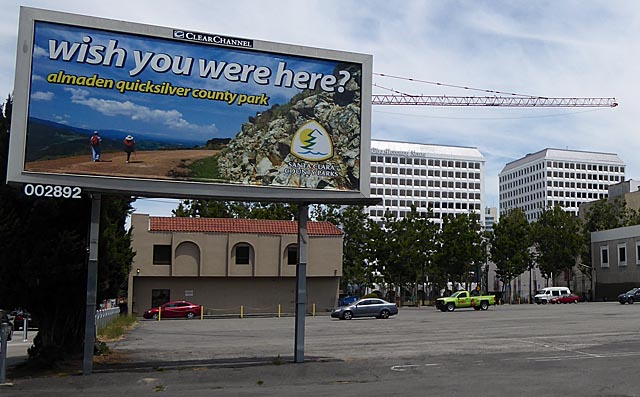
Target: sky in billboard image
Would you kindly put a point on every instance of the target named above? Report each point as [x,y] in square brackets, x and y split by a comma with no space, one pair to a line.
[198,112]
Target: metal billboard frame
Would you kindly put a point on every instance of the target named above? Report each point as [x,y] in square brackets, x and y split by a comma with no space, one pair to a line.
[144,187]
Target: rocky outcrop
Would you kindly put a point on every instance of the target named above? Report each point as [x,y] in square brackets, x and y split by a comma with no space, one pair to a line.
[260,153]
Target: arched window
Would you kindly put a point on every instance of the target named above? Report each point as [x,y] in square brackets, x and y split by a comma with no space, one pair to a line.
[291,254]
[243,254]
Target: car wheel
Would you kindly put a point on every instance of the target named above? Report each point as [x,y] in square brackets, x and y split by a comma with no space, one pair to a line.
[451,307]
[630,300]
[622,302]
[155,316]
[544,302]
[347,315]
[384,314]
[190,315]
[484,305]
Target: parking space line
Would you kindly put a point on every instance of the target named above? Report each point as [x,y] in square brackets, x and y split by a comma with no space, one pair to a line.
[402,368]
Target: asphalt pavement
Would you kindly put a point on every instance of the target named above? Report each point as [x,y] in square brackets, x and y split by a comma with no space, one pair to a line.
[586,349]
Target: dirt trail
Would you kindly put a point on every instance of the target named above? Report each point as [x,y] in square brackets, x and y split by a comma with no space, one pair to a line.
[158,164]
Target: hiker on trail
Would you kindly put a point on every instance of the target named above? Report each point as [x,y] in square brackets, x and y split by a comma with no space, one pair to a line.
[129,146]
[95,142]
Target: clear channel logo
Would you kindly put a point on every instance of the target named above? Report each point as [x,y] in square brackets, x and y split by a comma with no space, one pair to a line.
[312,142]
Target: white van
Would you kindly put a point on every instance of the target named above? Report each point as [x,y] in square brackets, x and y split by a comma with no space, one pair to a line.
[546,294]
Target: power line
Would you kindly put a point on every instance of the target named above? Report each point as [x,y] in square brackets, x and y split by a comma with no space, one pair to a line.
[455,86]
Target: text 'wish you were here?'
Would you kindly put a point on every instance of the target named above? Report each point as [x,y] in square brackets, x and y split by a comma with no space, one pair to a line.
[114,56]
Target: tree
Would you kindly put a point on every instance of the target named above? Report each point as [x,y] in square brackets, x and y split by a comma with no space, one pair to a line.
[410,243]
[236,209]
[510,246]
[558,241]
[462,248]
[43,252]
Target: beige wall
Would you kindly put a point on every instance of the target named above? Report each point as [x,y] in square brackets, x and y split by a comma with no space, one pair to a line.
[208,260]
[222,296]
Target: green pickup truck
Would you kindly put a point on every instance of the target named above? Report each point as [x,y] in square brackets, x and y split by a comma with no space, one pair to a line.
[463,299]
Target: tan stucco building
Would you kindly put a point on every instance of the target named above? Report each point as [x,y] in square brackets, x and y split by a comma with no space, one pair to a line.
[615,255]
[223,264]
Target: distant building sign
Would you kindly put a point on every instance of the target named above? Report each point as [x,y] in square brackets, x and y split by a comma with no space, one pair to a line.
[210,115]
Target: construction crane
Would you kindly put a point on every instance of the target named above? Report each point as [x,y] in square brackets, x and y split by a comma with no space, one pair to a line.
[498,98]
[501,101]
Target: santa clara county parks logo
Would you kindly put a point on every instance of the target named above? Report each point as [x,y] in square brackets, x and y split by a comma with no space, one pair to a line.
[312,143]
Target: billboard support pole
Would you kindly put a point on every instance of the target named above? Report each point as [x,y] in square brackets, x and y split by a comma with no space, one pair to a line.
[92,282]
[301,282]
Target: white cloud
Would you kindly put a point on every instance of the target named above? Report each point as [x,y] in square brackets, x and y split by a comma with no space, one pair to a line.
[171,118]
[42,95]
[40,52]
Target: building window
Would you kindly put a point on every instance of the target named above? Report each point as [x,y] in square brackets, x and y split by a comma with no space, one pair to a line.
[160,296]
[292,255]
[622,254]
[637,252]
[243,254]
[161,254]
[604,256]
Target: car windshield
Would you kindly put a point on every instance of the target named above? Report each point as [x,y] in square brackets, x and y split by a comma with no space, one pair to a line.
[632,291]
[455,295]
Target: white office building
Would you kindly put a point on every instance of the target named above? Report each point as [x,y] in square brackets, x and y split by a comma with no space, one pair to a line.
[553,177]
[490,217]
[447,179]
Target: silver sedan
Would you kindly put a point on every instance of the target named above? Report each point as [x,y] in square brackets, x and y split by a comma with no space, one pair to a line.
[368,307]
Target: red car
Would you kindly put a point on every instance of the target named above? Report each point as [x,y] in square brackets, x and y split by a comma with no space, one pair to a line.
[571,298]
[174,309]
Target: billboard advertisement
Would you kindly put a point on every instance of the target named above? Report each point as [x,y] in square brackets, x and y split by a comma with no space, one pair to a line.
[112,106]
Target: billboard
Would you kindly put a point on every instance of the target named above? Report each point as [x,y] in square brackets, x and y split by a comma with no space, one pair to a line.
[112,106]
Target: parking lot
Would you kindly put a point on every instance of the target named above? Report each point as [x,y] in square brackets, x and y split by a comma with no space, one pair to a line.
[586,348]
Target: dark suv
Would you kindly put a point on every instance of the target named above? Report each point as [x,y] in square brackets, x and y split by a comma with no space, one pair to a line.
[630,296]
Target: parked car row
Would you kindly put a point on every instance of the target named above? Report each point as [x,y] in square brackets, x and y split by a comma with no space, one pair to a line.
[350,306]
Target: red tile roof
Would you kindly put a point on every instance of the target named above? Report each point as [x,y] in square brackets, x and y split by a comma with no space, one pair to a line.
[229,225]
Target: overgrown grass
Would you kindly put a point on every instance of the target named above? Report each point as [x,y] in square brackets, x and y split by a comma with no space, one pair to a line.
[117,328]
[206,168]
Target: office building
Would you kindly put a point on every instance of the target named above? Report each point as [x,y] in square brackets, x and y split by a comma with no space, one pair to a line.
[490,217]
[553,177]
[447,179]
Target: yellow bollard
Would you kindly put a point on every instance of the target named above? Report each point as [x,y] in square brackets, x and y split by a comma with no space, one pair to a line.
[278,310]
[159,312]
[313,310]
[241,311]
[201,312]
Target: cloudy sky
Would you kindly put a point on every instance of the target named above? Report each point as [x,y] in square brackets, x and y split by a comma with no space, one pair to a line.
[581,48]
